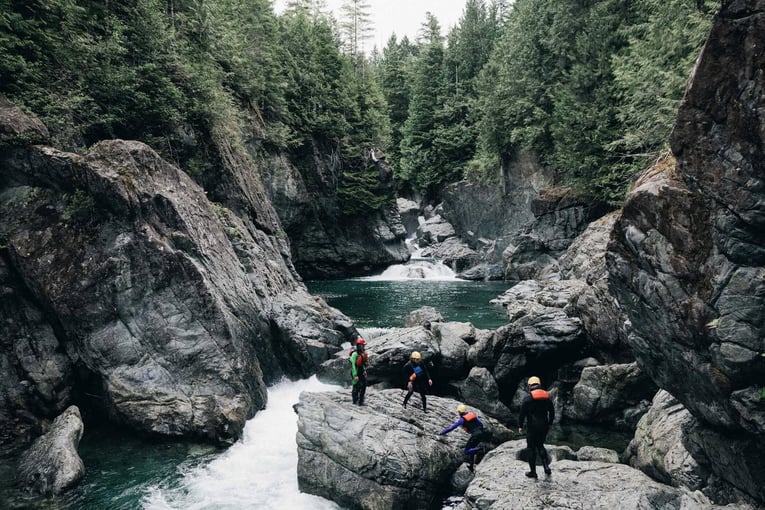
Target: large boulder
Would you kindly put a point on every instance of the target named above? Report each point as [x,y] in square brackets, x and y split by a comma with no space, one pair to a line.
[174,309]
[537,343]
[453,340]
[409,211]
[379,456]
[687,258]
[500,483]
[52,465]
[657,448]
[423,317]
[18,128]
[480,389]
[613,395]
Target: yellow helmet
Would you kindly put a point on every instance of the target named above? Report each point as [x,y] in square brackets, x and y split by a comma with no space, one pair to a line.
[462,408]
[534,380]
[416,355]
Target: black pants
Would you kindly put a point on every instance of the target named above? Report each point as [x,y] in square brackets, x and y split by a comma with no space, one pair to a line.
[535,441]
[359,389]
[473,441]
[421,389]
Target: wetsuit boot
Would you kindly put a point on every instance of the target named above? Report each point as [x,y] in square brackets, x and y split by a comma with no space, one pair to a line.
[546,462]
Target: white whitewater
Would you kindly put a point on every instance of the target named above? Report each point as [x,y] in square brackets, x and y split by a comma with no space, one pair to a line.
[417,268]
[257,472]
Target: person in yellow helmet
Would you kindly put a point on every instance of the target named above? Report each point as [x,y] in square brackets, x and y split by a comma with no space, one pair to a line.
[538,413]
[473,426]
[417,378]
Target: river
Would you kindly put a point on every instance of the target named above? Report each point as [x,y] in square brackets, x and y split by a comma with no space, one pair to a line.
[259,471]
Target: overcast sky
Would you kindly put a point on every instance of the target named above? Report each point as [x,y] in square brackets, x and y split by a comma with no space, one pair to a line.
[404,17]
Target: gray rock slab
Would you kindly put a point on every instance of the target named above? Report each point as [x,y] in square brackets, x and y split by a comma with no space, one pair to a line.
[500,483]
[52,465]
[379,456]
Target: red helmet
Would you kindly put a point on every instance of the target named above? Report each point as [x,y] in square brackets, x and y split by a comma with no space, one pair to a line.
[361,341]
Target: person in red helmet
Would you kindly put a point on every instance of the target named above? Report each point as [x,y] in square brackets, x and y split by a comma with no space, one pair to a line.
[358,361]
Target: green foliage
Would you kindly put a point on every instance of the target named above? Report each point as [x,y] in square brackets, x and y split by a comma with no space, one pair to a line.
[80,206]
[590,87]
[650,75]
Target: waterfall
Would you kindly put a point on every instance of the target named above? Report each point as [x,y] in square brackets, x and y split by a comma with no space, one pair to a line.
[417,268]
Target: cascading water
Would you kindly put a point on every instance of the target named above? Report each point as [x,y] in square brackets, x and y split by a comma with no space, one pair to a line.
[417,268]
[257,472]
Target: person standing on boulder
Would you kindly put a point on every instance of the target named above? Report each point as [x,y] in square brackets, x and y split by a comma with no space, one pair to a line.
[473,426]
[538,412]
[417,378]
[358,361]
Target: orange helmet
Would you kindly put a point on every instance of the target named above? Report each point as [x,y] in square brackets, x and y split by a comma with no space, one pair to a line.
[361,341]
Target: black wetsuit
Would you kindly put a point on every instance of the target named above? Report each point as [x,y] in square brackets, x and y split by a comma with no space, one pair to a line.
[419,382]
[538,412]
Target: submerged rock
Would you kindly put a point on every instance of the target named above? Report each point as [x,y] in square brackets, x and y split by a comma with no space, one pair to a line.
[52,464]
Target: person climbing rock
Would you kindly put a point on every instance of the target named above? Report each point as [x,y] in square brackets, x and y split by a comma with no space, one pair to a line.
[473,426]
[358,359]
[538,413]
[417,378]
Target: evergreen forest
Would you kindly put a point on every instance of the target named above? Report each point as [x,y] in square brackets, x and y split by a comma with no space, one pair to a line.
[590,87]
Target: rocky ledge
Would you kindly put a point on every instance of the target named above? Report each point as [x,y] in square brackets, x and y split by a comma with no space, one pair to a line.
[121,279]
[382,456]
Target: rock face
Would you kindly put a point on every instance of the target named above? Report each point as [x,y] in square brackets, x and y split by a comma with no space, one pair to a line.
[597,308]
[379,456]
[479,211]
[500,483]
[52,464]
[174,308]
[326,243]
[37,376]
[560,216]
[687,259]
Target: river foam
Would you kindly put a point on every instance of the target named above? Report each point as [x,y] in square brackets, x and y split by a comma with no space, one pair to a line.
[257,472]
